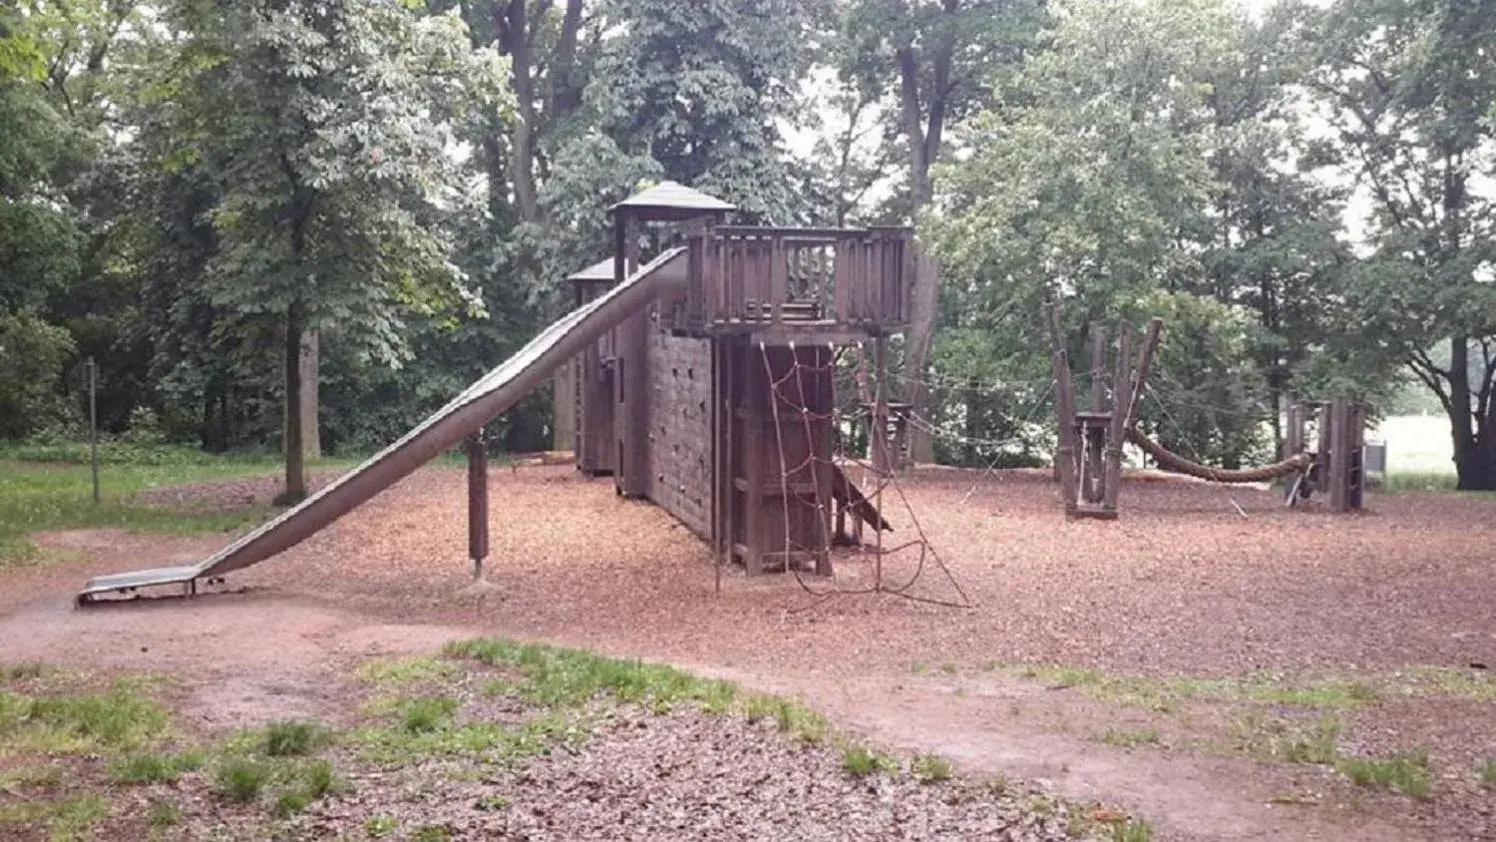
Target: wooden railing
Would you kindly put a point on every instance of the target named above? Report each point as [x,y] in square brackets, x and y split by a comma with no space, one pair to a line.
[757,277]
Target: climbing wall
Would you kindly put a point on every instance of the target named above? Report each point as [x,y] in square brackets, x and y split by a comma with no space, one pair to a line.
[680,428]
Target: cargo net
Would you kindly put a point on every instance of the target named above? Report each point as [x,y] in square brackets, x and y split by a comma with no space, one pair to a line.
[831,431]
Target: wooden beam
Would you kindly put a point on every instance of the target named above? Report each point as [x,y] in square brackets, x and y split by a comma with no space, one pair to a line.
[1065,407]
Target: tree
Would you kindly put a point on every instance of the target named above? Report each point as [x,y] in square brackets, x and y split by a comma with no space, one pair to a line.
[939,60]
[327,131]
[1406,88]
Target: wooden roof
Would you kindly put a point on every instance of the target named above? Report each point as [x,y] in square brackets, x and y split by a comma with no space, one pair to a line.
[599,271]
[669,195]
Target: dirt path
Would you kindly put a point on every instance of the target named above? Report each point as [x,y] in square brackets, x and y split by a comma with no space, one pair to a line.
[258,657]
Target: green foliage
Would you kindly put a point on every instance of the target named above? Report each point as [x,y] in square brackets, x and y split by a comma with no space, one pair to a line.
[859,762]
[65,820]
[38,497]
[32,356]
[164,814]
[294,739]
[1487,772]
[1406,772]
[931,768]
[118,720]
[1130,737]
[241,779]
[380,826]
[1132,830]
[571,678]
[426,715]
[154,768]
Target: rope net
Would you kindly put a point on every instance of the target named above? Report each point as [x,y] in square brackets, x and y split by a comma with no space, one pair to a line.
[827,439]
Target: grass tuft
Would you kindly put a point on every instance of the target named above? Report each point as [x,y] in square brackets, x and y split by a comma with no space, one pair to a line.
[1487,772]
[931,768]
[380,826]
[1130,737]
[164,814]
[294,739]
[1132,830]
[119,720]
[859,762]
[1405,772]
[153,768]
[426,715]
[241,779]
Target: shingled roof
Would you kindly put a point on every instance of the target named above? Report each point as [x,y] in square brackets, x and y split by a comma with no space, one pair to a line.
[669,195]
[599,271]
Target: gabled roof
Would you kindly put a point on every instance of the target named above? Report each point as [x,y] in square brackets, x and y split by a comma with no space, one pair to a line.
[669,195]
[599,271]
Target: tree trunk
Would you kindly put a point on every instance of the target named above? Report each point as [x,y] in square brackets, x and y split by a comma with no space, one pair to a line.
[311,436]
[923,304]
[1475,464]
[295,487]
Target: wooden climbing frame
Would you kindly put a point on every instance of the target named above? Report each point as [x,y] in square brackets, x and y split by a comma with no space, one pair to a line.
[1089,457]
[1337,464]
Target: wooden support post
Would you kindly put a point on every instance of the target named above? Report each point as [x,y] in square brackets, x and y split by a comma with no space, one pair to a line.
[1111,479]
[1293,445]
[880,444]
[1340,453]
[1356,445]
[1065,400]
[477,462]
[1320,476]
[1092,444]
[819,444]
[756,416]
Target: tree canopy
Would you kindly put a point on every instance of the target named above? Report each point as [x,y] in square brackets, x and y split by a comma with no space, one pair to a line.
[276,223]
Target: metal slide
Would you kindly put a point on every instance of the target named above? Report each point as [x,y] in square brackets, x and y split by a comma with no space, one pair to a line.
[664,277]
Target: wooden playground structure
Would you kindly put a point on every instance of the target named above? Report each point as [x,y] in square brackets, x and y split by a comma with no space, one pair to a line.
[1088,460]
[718,405]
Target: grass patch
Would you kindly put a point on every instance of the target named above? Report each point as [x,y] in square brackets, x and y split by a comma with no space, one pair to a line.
[431,833]
[153,768]
[426,715]
[859,762]
[47,776]
[294,739]
[406,672]
[1132,830]
[1405,772]
[36,497]
[23,671]
[65,820]
[557,677]
[789,716]
[931,768]
[164,814]
[119,720]
[1487,772]
[242,779]
[1419,481]
[380,826]
[1288,739]
[1130,737]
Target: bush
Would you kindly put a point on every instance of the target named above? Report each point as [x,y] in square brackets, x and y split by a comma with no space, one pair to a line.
[32,356]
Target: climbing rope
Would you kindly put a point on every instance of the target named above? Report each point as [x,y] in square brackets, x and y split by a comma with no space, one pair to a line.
[1174,462]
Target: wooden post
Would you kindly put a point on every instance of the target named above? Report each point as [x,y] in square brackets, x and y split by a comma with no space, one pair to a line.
[1111,479]
[1091,444]
[880,445]
[93,425]
[1293,445]
[755,418]
[1321,473]
[1356,444]
[1065,400]
[477,463]
[1340,453]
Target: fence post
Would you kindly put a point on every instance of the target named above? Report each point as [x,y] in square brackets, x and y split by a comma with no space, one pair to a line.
[93,425]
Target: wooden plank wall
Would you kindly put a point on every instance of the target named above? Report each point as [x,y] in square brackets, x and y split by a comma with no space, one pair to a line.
[681,428]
